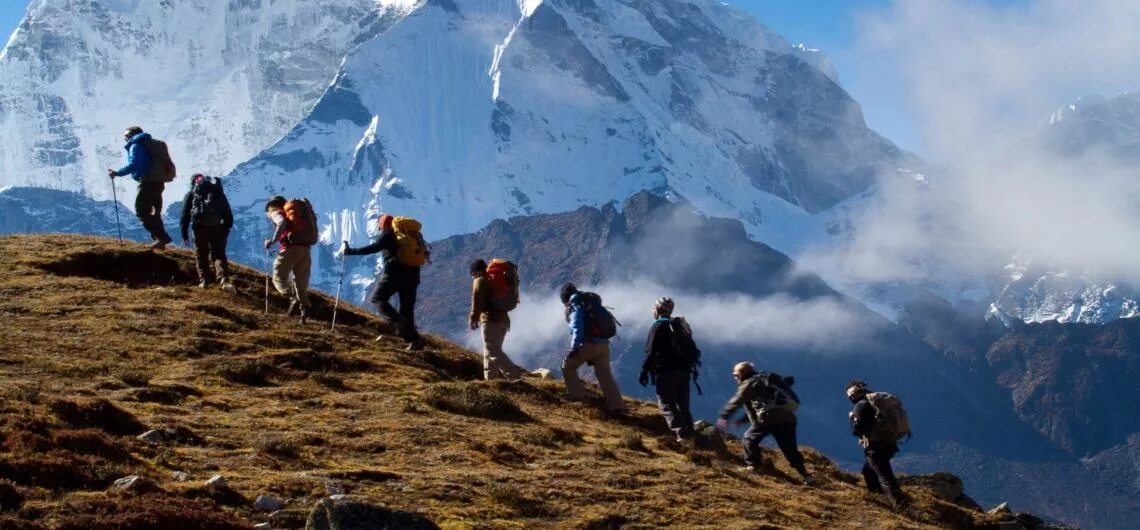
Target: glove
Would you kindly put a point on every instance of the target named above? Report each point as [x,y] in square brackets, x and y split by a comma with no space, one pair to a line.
[111,173]
[722,424]
[474,323]
[643,378]
[268,243]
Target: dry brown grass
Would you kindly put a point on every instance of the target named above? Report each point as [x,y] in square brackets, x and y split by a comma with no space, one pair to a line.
[103,342]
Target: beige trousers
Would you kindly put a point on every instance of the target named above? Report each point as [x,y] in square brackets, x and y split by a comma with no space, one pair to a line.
[599,356]
[297,261]
[496,364]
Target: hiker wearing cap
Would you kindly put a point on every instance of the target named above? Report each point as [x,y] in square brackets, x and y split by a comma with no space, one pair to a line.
[491,304]
[294,233]
[591,327]
[769,404]
[206,210]
[671,356]
[151,176]
[404,252]
[878,440]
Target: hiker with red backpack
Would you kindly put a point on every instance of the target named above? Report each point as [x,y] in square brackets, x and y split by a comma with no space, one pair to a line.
[591,328]
[404,252]
[295,231]
[206,210]
[149,164]
[769,404]
[494,293]
[671,356]
[879,421]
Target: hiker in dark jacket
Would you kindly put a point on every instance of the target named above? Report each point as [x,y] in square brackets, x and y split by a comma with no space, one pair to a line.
[206,210]
[396,279]
[878,450]
[587,349]
[148,202]
[757,394]
[669,368]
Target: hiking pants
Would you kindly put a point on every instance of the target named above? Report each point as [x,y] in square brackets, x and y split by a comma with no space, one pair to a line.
[785,435]
[405,318]
[496,364]
[148,208]
[673,398]
[599,356]
[293,260]
[210,247]
[877,472]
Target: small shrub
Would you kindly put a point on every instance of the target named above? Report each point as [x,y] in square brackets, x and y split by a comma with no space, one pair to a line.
[550,437]
[633,442]
[91,442]
[328,381]
[134,377]
[99,414]
[245,372]
[502,453]
[276,445]
[505,494]
[474,399]
[602,452]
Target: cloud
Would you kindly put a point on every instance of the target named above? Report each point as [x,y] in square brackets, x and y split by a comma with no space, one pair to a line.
[539,331]
[982,78]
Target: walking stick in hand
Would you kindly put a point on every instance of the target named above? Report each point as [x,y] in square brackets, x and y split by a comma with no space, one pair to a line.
[115,198]
[339,286]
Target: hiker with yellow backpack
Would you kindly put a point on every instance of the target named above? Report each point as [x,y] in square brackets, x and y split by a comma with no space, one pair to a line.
[295,232]
[405,251]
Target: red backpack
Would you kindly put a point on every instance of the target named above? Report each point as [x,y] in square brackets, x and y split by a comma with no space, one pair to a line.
[300,223]
[503,276]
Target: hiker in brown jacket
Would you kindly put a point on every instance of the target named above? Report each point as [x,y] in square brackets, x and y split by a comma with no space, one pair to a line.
[495,322]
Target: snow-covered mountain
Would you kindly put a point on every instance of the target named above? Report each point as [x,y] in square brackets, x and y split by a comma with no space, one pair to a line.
[220,80]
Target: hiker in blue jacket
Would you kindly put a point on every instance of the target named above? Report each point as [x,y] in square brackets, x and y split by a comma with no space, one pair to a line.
[148,202]
[587,348]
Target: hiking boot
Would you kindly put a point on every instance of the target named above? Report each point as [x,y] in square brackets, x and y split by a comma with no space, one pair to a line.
[294,305]
[203,284]
[304,314]
[541,373]
[416,345]
[747,469]
[159,245]
[810,482]
[228,287]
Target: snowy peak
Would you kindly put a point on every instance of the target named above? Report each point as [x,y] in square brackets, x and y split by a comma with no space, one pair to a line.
[218,80]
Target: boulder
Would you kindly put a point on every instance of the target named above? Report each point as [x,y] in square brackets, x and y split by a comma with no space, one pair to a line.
[180,476]
[134,484]
[152,436]
[348,513]
[217,481]
[268,503]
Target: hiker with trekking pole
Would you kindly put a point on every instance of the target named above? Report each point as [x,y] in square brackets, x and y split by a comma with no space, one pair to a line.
[295,231]
[149,164]
[404,251]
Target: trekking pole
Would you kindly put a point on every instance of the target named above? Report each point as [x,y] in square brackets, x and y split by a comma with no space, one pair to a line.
[339,286]
[115,197]
[268,269]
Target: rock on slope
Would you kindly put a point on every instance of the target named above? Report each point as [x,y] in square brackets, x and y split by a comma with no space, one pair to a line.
[103,343]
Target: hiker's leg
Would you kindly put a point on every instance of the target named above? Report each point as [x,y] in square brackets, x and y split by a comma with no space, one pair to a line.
[570,365]
[753,456]
[159,226]
[870,476]
[785,435]
[407,294]
[144,208]
[685,415]
[301,272]
[606,379]
[282,269]
[668,400]
[202,253]
[493,357]
[218,240]
[879,459]
[382,298]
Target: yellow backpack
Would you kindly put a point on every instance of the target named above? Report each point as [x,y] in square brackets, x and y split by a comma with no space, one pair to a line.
[412,250]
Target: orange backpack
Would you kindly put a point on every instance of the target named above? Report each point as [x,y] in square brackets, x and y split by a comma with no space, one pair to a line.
[300,223]
[503,276]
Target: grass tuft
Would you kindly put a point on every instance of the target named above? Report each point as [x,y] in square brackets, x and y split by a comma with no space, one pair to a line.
[245,372]
[474,399]
[278,446]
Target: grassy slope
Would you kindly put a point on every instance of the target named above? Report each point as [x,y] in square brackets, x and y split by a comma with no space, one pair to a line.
[326,410]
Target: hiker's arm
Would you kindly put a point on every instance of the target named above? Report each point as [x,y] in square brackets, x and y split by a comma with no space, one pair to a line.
[386,241]
[743,394]
[577,327]
[279,225]
[478,301]
[135,156]
[187,205]
[652,346]
[862,419]
[227,213]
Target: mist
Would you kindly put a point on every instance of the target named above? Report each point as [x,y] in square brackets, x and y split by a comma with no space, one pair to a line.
[985,82]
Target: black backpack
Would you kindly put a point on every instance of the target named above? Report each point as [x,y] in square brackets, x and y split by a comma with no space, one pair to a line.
[683,343]
[600,323]
[208,208]
[782,394]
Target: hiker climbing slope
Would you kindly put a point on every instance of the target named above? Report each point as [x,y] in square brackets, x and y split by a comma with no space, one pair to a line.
[879,422]
[770,404]
[295,232]
[494,293]
[671,357]
[206,210]
[149,164]
[591,328]
[404,252]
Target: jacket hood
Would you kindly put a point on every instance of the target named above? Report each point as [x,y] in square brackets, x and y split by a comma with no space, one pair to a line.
[140,137]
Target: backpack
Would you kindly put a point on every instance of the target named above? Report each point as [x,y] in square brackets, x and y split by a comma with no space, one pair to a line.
[503,276]
[683,343]
[411,249]
[161,166]
[600,323]
[300,223]
[784,397]
[208,207]
[892,423]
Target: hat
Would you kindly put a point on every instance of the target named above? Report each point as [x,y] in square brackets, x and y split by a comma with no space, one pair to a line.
[385,222]
[568,291]
[664,306]
[275,202]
